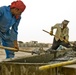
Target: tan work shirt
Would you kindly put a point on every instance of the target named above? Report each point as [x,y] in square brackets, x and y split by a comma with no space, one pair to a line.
[60,33]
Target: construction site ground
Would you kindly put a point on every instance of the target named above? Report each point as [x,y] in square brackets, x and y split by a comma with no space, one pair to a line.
[17,54]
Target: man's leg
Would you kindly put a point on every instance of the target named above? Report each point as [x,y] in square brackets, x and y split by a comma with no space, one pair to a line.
[65,44]
[8,43]
[55,44]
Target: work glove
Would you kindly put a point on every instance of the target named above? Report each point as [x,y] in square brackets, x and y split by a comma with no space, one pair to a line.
[16,45]
[51,33]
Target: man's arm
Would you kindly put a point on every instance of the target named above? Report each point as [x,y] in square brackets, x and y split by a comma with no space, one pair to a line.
[52,28]
[67,34]
[1,11]
[14,33]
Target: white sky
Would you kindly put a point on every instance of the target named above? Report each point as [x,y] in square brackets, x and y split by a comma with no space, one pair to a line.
[42,14]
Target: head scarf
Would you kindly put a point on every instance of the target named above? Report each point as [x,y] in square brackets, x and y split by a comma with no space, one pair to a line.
[18,4]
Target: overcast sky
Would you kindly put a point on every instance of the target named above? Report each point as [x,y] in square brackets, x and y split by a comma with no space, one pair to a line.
[42,14]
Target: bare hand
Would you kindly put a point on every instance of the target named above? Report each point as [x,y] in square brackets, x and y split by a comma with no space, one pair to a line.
[16,45]
[51,32]
[66,41]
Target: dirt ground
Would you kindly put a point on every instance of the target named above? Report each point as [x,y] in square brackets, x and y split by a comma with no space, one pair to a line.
[17,54]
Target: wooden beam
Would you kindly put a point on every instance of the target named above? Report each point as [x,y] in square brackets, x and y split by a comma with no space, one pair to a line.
[14,49]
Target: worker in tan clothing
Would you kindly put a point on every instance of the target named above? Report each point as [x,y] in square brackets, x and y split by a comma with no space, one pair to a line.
[62,35]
